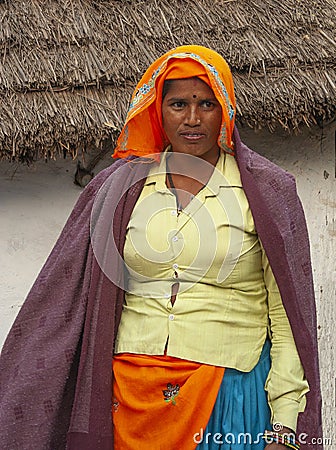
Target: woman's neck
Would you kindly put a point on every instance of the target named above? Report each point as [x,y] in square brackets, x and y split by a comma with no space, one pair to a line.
[182,165]
[187,175]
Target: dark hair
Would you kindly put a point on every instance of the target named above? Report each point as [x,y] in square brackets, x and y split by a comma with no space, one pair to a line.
[168,83]
[166,86]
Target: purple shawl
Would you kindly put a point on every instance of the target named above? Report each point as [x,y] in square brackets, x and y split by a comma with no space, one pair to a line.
[56,377]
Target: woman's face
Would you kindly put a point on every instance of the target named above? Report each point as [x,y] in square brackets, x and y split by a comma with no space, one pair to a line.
[192,118]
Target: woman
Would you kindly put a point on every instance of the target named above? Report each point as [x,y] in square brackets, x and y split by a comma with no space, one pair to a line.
[197,263]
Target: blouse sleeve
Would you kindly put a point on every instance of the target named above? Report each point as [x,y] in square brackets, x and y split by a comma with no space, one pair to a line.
[286,385]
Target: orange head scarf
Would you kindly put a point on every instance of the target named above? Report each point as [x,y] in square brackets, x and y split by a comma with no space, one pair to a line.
[143,132]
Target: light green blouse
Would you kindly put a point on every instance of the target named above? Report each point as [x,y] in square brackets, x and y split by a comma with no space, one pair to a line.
[228,299]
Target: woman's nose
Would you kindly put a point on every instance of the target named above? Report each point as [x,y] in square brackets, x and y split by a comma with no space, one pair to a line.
[192,117]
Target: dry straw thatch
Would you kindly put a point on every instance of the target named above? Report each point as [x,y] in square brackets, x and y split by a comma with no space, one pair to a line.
[68,66]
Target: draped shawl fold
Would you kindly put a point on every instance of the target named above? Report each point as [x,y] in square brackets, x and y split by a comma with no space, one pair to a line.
[55,367]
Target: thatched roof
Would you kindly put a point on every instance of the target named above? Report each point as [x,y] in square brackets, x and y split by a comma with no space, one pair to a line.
[69,66]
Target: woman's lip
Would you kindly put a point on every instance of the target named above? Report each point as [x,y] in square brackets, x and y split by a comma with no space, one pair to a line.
[192,136]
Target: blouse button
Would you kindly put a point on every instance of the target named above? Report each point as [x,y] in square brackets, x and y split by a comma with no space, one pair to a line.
[171,317]
[175,266]
[175,239]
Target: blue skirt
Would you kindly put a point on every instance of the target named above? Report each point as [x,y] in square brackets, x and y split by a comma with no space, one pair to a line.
[241,413]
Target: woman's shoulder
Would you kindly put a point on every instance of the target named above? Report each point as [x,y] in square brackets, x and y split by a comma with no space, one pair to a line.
[260,162]
[264,171]
[99,179]
[111,171]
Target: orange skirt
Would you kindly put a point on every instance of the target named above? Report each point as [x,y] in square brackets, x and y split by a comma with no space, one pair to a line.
[161,402]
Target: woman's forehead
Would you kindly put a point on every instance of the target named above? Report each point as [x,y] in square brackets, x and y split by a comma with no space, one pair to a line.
[189,86]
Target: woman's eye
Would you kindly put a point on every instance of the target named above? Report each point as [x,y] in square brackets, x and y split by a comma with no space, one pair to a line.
[207,104]
[178,105]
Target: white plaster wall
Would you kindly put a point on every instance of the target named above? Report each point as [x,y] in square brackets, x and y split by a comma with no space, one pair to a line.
[35,202]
